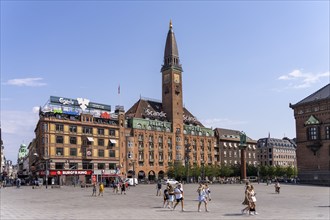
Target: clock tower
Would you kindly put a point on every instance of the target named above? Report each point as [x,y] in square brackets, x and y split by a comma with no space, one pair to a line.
[172,92]
[172,83]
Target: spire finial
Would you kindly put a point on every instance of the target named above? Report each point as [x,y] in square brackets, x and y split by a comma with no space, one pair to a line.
[171,24]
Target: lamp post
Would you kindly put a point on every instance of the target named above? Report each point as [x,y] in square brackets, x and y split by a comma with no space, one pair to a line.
[47,172]
[133,164]
[243,146]
[188,150]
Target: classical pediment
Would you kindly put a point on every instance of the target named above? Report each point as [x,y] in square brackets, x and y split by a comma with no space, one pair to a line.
[312,120]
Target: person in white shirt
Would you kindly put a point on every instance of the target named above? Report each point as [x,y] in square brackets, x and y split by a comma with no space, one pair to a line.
[178,192]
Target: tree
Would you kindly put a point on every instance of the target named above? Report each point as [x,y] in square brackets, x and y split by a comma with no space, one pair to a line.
[226,171]
[280,171]
[263,171]
[251,170]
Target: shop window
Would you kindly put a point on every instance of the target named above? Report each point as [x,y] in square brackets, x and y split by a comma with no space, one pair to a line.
[88,166]
[59,166]
[73,166]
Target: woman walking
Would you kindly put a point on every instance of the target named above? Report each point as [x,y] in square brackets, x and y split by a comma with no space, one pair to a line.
[202,197]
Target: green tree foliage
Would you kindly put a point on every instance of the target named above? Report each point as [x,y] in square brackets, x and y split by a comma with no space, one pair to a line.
[251,170]
[226,171]
[280,171]
[263,171]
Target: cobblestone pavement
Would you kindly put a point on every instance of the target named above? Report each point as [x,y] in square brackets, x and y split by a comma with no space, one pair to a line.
[141,202]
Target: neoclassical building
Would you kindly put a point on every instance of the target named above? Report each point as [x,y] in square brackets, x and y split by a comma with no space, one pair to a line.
[277,152]
[312,115]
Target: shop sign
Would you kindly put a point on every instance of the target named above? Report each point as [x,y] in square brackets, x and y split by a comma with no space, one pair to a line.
[70,172]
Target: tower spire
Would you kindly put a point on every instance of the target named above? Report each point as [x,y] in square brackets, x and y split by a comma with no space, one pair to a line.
[171,53]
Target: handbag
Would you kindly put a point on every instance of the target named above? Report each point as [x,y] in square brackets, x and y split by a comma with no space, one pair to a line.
[254,199]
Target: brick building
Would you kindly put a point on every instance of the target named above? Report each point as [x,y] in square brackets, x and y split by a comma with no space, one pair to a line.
[312,116]
[162,133]
[228,152]
[75,138]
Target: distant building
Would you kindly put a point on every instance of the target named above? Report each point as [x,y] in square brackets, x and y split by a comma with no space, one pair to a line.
[228,152]
[23,162]
[276,152]
[312,116]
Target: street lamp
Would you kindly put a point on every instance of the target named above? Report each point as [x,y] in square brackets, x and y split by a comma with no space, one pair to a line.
[188,150]
[46,168]
[243,146]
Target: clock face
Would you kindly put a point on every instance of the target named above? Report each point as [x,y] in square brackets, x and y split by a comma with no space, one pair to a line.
[167,78]
[176,78]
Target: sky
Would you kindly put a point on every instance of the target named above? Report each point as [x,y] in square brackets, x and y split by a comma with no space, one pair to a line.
[243,61]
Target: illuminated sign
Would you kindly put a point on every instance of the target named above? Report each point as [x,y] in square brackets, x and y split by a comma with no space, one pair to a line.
[82,103]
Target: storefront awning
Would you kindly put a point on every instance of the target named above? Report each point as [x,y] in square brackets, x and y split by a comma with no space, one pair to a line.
[112,141]
[90,139]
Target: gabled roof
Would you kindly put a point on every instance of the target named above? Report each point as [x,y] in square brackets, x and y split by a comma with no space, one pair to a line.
[152,109]
[224,133]
[323,93]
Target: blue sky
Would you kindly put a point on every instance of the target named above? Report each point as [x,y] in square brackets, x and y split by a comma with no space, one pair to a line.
[243,61]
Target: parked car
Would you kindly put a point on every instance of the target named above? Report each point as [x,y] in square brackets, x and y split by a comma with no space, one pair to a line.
[171,181]
[130,181]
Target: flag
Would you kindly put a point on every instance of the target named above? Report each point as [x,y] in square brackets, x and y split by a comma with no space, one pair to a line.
[118,89]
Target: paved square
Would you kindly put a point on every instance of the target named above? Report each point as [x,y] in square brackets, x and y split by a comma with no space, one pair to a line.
[141,202]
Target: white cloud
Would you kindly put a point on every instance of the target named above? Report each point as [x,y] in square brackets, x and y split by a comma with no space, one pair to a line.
[301,80]
[32,82]
[17,127]
[220,123]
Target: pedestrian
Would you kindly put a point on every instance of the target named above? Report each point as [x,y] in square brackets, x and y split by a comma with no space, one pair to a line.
[166,197]
[94,189]
[208,192]
[246,198]
[277,187]
[101,189]
[123,188]
[202,197]
[252,201]
[170,200]
[159,187]
[178,192]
